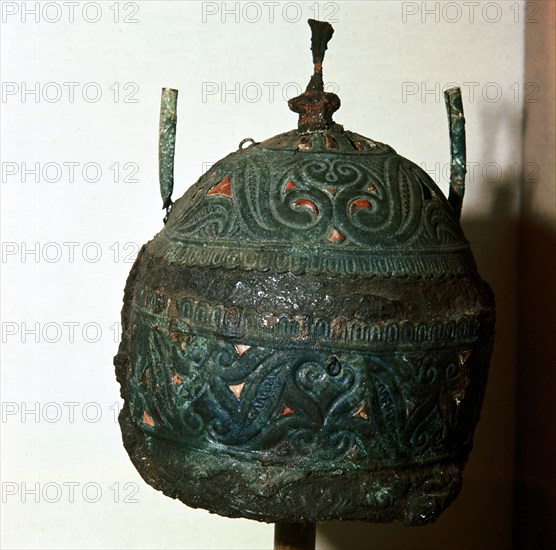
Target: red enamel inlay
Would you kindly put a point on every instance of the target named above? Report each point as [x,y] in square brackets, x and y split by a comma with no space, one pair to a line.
[358,145]
[331,190]
[290,185]
[463,357]
[237,389]
[147,419]
[359,203]
[177,379]
[304,144]
[329,142]
[286,411]
[371,188]
[241,349]
[222,188]
[335,236]
[361,412]
[307,203]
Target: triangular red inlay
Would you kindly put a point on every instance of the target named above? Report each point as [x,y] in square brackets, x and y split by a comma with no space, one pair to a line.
[237,389]
[361,412]
[286,411]
[463,357]
[330,142]
[222,188]
[290,185]
[241,349]
[147,419]
[335,236]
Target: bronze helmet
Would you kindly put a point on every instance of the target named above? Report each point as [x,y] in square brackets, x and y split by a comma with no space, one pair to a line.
[308,337]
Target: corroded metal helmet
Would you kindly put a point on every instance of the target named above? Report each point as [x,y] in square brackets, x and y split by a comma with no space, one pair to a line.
[307,338]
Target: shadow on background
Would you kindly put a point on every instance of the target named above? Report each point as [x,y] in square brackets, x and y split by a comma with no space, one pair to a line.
[481,516]
[508,498]
[535,496]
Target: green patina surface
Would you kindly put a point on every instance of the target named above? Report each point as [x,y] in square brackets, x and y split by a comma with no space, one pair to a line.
[308,337]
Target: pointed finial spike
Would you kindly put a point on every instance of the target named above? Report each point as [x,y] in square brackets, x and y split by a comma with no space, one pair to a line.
[321,33]
[315,106]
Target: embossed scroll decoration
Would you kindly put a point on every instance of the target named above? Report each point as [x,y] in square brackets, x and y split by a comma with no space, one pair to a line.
[267,200]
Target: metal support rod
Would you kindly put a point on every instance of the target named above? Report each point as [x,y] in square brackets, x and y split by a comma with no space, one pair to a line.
[294,536]
[167,145]
[458,169]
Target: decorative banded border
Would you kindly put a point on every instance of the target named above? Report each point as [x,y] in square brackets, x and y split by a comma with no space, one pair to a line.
[386,263]
[262,328]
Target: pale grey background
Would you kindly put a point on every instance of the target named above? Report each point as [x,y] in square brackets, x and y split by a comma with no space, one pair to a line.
[375,50]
